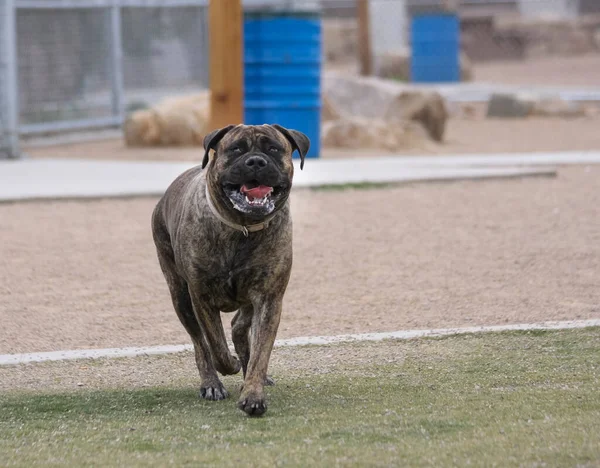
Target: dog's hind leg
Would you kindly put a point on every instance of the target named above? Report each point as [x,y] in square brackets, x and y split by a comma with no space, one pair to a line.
[240,328]
[211,387]
[212,328]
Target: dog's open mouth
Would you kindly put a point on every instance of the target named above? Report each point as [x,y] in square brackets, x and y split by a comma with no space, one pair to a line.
[252,197]
[256,195]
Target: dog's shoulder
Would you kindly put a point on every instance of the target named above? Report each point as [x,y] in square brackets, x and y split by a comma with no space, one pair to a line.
[190,180]
[184,186]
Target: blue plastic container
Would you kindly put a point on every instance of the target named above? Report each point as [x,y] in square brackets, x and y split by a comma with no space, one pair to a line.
[282,72]
[435,39]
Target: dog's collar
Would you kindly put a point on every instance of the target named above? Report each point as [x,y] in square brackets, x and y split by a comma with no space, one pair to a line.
[244,229]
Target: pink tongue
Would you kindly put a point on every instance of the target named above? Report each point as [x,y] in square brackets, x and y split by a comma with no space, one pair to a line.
[256,192]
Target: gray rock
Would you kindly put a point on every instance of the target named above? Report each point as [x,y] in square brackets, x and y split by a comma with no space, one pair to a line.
[518,106]
[509,106]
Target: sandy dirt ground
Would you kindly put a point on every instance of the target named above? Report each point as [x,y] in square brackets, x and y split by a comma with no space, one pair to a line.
[464,135]
[576,71]
[84,274]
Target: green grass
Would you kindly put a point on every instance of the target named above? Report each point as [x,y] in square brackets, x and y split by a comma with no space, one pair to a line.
[511,399]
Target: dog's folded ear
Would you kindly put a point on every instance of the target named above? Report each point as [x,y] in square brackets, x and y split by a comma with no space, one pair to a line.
[212,139]
[298,140]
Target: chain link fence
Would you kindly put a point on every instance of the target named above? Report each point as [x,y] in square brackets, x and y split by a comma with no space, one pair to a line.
[165,51]
[3,67]
[8,111]
[80,64]
[83,64]
[64,66]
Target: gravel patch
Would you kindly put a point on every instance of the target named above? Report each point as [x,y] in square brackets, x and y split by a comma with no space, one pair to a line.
[84,274]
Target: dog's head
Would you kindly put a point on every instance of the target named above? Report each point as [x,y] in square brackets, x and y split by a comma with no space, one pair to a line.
[251,169]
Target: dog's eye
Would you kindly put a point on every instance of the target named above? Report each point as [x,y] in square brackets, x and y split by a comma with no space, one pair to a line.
[273,149]
[236,150]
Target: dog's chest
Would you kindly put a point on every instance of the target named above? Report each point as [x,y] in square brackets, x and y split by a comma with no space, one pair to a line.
[228,281]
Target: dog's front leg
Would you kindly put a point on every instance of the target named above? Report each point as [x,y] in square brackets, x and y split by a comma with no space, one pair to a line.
[262,338]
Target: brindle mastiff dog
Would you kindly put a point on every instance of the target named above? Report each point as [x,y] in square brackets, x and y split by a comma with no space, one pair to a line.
[224,243]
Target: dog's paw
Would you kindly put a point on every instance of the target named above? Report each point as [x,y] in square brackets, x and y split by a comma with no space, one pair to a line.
[252,404]
[213,392]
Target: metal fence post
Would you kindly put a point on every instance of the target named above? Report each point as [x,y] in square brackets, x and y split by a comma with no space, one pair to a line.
[11,91]
[116,57]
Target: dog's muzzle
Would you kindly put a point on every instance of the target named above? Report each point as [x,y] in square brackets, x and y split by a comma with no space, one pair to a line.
[254,185]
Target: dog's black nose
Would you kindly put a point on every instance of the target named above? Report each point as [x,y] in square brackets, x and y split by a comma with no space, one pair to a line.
[256,162]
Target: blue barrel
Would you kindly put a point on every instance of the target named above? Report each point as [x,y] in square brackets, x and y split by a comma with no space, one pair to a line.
[282,72]
[435,39]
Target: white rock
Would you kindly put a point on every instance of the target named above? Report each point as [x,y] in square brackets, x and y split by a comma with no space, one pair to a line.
[360,132]
[376,98]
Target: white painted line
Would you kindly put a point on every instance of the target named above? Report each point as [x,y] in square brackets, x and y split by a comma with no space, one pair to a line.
[13,359]
[10,359]
[411,334]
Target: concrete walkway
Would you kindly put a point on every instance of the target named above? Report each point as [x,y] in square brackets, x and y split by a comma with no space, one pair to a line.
[39,179]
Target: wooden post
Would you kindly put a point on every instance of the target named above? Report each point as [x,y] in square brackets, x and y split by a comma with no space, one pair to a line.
[226,62]
[364,38]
